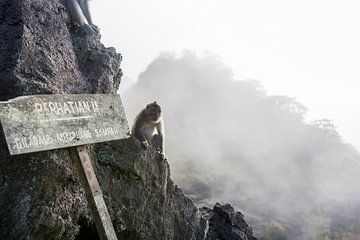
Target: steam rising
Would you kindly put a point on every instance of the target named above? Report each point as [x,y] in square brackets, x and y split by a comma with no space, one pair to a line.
[228,141]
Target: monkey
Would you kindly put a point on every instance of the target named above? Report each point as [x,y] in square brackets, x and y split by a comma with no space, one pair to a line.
[148,127]
[79,11]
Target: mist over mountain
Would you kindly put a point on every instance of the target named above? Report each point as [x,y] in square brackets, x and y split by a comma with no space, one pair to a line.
[228,141]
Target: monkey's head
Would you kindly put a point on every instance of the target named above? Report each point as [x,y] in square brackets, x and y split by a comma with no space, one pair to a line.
[153,111]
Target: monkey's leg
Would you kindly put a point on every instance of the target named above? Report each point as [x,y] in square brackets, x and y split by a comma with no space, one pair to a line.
[141,137]
[156,142]
[75,12]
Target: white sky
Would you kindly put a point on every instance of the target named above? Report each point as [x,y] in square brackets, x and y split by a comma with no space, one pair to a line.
[308,49]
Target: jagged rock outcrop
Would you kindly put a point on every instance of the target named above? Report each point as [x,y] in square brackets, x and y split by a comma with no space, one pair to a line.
[145,203]
[38,54]
[222,222]
[40,193]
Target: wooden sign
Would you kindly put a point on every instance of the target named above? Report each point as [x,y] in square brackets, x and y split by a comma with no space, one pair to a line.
[43,122]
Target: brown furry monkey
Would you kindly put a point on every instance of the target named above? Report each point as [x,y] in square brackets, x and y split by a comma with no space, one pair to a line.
[148,127]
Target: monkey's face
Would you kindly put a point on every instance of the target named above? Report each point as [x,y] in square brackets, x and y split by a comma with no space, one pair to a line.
[153,111]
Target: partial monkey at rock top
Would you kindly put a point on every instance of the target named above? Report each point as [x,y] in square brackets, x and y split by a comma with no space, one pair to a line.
[79,11]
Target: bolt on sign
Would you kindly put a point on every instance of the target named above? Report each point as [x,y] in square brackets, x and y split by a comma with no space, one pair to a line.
[44,122]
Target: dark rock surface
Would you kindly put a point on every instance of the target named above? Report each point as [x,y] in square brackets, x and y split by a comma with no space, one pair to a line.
[224,223]
[145,203]
[39,54]
[40,194]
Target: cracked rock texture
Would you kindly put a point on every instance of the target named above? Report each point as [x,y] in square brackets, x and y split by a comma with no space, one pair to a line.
[40,194]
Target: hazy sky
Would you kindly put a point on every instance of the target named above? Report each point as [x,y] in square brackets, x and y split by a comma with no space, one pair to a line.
[307,49]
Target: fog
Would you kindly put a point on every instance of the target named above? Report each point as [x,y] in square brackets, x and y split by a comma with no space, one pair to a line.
[295,48]
[227,140]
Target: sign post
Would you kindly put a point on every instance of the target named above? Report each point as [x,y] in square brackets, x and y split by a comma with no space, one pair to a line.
[45,122]
[93,193]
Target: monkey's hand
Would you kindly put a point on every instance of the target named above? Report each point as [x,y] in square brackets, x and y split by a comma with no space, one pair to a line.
[145,145]
[162,154]
[160,150]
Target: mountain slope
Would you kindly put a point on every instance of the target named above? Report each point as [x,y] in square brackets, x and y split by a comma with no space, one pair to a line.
[227,140]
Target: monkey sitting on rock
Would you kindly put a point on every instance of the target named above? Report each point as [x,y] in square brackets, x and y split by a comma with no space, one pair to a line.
[148,127]
[79,11]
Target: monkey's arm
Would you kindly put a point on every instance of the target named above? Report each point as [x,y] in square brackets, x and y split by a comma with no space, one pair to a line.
[84,4]
[160,137]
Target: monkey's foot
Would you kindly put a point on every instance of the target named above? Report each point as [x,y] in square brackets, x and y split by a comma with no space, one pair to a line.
[145,145]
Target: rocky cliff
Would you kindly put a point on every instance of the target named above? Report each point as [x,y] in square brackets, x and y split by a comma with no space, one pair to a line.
[223,222]
[40,194]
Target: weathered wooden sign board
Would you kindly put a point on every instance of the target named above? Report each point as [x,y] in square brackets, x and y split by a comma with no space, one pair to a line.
[44,122]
